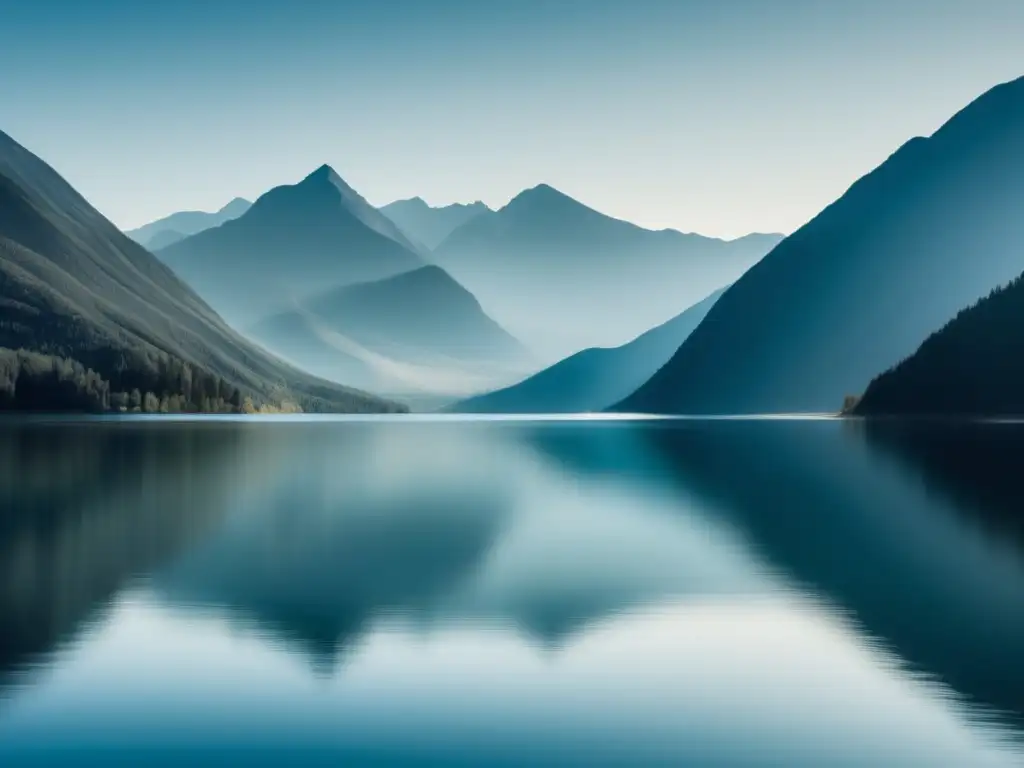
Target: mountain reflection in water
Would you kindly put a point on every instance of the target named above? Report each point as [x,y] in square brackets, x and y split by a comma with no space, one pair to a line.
[720,592]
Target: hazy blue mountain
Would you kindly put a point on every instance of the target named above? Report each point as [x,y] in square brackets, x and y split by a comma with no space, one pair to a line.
[99,316]
[563,277]
[418,332]
[597,378]
[429,225]
[973,366]
[178,226]
[295,241]
[164,238]
[930,231]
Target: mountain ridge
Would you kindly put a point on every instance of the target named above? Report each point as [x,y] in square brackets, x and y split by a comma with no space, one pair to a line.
[75,291]
[177,226]
[573,262]
[428,224]
[930,230]
[296,240]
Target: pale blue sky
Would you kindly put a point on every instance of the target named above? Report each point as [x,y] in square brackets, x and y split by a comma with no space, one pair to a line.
[718,116]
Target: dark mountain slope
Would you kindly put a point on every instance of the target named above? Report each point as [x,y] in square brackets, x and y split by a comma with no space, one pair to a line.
[294,241]
[373,333]
[934,228]
[549,269]
[429,225]
[973,366]
[74,288]
[594,379]
[178,226]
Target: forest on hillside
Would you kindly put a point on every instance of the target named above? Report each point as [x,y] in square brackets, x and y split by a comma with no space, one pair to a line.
[30,381]
[972,366]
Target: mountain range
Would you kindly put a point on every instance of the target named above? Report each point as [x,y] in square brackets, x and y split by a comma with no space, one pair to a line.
[170,229]
[459,300]
[428,225]
[859,288]
[594,379]
[100,321]
[295,241]
[562,277]
[415,333]
[281,272]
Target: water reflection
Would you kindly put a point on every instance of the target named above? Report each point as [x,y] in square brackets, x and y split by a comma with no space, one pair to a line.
[86,508]
[975,465]
[836,507]
[442,523]
[375,520]
[713,593]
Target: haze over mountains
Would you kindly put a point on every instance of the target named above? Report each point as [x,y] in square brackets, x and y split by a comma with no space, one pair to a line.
[80,294]
[415,333]
[929,232]
[461,300]
[432,335]
[428,225]
[294,241]
[597,378]
[562,277]
[170,229]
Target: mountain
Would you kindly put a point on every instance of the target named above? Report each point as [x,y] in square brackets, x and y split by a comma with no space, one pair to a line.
[417,332]
[293,242]
[96,316]
[972,366]
[549,269]
[429,225]
[857,289]
[594,379]
[163,238]
[161,233]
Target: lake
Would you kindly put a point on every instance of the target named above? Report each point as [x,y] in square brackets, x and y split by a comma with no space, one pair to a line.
[302,591]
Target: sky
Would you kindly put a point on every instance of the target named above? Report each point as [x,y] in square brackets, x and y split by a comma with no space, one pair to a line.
[716,116]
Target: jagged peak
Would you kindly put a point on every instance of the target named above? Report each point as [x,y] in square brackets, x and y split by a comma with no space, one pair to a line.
[422,203]
[325,174]
[324,171]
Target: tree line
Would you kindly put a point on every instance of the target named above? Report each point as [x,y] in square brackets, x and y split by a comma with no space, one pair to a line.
[974,365]
[32,381]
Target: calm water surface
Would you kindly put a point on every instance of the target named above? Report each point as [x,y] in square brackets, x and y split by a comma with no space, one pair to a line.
[706,593]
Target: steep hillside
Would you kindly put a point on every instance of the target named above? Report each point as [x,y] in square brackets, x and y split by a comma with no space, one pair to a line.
[594,379]
[973,366]
[103,322]
[933,229]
